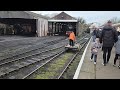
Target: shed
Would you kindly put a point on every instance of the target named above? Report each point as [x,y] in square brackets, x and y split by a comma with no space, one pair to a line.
[61,23]
[23,23]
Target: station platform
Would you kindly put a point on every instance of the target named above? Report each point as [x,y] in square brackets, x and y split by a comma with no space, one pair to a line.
[87,70]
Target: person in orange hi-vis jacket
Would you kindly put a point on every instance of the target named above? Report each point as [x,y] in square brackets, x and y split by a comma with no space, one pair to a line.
[72,39]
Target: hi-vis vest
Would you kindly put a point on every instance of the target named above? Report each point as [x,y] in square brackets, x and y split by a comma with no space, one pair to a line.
[72,36]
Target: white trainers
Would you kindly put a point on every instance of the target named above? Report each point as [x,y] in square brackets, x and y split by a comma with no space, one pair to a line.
[90,59]
[94,62]
[103,64]
[114,65]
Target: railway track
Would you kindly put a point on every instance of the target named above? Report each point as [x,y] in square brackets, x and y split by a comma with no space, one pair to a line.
[24,66]
[72,59]
[58,55]
[18,47]
[7,66]
[31,49]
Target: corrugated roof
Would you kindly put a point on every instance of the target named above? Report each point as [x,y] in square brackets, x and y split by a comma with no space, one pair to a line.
[15,14]
[36,15]
[20,14]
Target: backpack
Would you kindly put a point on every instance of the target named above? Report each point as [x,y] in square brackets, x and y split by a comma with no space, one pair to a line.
[108,38]
[95,48]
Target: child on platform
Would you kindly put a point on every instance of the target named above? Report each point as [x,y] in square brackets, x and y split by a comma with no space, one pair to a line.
[94,49]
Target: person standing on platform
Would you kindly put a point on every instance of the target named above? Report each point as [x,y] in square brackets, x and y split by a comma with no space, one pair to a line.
[72,39]
[117,49]
[94,50]
[107,39]
[95,34]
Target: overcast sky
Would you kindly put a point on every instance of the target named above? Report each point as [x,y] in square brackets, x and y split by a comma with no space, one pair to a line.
[89,16]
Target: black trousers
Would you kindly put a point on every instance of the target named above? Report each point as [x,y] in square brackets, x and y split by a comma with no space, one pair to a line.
[71,42]
[106,52]
[116,57]
[95,57]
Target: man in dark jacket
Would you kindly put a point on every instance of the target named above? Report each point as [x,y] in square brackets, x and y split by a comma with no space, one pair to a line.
[108,38]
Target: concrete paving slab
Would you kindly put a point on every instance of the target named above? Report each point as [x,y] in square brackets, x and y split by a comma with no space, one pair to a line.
[86,75]
[89,71]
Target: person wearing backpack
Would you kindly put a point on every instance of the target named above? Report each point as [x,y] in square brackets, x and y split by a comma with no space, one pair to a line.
[107,39]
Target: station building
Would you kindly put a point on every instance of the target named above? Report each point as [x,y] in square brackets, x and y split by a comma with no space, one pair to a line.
[31,24]
[61,23]
[23,23]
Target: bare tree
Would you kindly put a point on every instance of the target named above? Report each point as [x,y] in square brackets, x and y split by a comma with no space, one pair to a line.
[81,20]
[115,20]
[82,24]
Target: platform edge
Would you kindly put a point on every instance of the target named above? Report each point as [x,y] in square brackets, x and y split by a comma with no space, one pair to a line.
[81,62]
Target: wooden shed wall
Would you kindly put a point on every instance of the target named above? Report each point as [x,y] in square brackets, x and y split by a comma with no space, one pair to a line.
[42,27]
